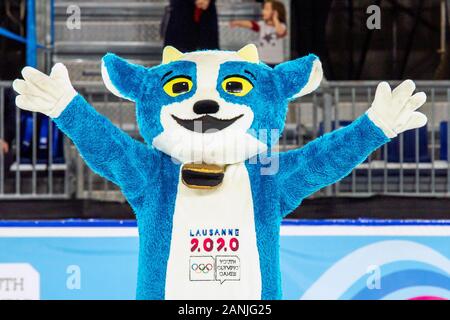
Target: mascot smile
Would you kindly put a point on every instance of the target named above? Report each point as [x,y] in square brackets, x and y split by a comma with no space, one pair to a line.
[209,120]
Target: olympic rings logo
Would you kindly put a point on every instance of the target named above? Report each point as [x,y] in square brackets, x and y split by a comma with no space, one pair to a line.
[199,268]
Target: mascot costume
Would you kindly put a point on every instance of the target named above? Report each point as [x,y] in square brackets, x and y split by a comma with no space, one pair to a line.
[208,194]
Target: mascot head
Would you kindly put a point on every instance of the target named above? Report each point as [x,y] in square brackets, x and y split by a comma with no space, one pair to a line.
[214,107]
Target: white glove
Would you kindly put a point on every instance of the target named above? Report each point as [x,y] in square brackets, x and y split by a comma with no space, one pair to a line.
[49,95]
[395,111]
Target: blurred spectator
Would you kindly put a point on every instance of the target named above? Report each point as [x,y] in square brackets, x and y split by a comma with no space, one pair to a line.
[4,146]
[272,29]
[309,19]
[192,25]
[12,18]
[9,127]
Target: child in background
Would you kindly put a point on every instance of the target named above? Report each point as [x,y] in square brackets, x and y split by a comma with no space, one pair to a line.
[272,29]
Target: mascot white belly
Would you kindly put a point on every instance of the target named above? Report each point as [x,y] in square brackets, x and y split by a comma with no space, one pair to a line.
[214,242]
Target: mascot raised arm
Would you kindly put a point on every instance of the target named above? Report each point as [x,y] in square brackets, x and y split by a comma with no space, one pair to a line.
[208,194]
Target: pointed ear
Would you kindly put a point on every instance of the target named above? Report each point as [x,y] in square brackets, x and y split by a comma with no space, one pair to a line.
[170,54]
[249,53]
[299,77]
[121,77]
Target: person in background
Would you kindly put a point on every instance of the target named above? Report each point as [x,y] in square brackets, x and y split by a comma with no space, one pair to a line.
[272,29]
[9,128]
[4,146]
[192,25]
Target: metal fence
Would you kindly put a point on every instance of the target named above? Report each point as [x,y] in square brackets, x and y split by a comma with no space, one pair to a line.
[414,164]
[27,166]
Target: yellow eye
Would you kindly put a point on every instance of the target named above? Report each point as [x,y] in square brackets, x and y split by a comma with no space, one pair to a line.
[237,86]
[177,86]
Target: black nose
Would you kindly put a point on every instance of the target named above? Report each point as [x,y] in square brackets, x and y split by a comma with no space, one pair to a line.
[206,106]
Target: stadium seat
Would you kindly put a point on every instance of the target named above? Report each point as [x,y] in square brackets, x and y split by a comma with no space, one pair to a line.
[26,150]
[443,127]
[409,147]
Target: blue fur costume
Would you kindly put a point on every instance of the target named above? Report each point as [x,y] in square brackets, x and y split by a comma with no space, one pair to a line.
[149,178]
